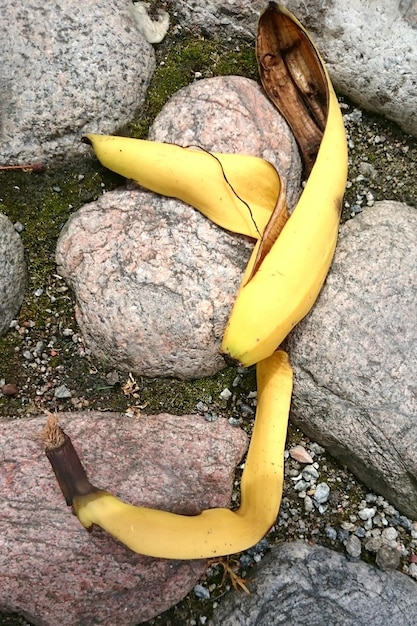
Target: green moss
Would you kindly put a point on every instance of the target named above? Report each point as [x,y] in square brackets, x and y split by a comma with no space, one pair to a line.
[179,62]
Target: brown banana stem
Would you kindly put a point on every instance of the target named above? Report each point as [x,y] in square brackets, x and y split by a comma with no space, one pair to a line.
[68,469]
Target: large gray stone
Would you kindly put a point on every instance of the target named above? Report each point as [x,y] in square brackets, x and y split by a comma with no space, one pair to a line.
[54,572]
[301,585]
[354,356]
[154,280]
[369,47]
[67,68]
[12,273]
[370,50]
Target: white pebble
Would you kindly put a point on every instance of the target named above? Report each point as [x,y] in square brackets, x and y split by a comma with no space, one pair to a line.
[367,513]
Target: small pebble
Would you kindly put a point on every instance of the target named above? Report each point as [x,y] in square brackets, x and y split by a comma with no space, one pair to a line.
[388,557]
[354,547]
[373,544]
[300,454]
[321,494]
[202,592]
[331,533]
[226,394]
[9,389]
[367,513]
[62,392]
[308,504]
[389,534]
[310,473]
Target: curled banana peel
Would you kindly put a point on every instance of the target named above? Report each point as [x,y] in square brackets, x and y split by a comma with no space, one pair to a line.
[282,281]
[213,532]
[284,275]
[236,191]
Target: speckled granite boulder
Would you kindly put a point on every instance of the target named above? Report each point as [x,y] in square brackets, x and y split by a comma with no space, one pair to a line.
[67,68]
[52,570]
[155,280]
[301,585]
[354,356]
[369,47]
[12,273]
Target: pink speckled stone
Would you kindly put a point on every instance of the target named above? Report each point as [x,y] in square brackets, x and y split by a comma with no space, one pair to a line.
[51,570]
[154,280]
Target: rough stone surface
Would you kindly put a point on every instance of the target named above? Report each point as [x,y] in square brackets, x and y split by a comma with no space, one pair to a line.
[306,585]
[52,570]
[370,51]
[12,273]
[369,48]
[154,280]
[354,356]
[67,68]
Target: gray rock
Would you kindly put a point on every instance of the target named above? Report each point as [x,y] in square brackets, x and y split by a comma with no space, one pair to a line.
[369,48]
[370,52]
[306,585]
[354,355]
[52,570]
[67,68]
[217,17]
[12,273]
[154,280]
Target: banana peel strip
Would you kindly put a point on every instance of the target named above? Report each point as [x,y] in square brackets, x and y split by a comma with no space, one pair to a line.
[295,79]
[214,532]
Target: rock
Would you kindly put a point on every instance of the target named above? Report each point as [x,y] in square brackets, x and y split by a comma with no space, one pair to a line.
[369,49]
[154,280]
[53,571]
[12,273]
[231,114]
[354,355]
[67,68]
[300,454]
[299,584]
[217,17]
[369,52]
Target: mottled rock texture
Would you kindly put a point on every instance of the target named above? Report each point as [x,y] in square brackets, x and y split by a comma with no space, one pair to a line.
[369,47]
[12,273]
[306,585]
[67,68]
[52,570]
[354,356]
[154,280]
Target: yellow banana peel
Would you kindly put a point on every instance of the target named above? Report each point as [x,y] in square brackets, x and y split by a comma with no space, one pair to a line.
[236,191]
[277,292]
[214,532]
[282,281]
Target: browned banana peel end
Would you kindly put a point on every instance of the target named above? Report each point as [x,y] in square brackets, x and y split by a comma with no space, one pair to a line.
[68,469]
[293,77]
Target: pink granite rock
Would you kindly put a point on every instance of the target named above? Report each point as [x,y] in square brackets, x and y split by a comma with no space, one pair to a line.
[51,570]
[154,280]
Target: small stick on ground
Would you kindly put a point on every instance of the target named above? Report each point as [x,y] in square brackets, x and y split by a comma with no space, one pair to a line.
[32,167]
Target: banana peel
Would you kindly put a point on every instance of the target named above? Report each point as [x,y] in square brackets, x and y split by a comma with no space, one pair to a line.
[285,274]
[281,283]
[214,532]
